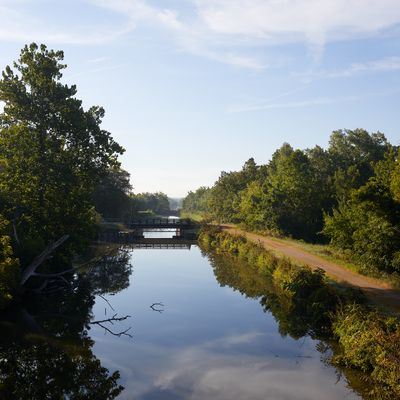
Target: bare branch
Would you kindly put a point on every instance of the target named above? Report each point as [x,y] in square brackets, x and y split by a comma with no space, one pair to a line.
[154,307]
[43,256]
[112,308]
[111,321]
[15,232]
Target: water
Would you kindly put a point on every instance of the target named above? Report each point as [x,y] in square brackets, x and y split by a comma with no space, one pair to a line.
[200,340]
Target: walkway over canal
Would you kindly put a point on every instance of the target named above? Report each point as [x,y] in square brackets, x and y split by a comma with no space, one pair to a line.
[163,223]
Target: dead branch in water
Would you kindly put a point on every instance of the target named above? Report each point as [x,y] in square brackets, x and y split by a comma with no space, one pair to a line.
[154,307]
[111,321]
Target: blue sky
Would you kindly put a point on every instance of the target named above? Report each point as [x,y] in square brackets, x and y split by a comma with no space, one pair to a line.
[194,87]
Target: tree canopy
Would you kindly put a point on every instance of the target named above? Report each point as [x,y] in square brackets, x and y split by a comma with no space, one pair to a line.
[348,194]
[53,155]
[52,151]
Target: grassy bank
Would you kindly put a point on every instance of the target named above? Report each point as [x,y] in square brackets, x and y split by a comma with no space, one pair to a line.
[369,341]
[332,254]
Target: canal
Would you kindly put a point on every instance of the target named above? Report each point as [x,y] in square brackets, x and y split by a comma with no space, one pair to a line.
[164,324]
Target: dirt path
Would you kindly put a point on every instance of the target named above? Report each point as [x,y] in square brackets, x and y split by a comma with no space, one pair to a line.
[379,292]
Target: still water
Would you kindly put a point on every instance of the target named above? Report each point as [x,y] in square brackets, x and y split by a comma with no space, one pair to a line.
[197,330]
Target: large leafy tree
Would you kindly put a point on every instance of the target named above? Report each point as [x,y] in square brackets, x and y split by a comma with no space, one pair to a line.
[353,153]
[52,152]
[111,197]
[224,198]
[367,225]
[197,201]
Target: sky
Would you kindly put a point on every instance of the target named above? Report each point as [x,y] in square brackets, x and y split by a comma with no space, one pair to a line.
[195,87]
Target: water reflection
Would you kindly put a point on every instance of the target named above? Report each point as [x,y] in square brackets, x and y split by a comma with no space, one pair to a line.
[209,341]
[45,347]
[293,317]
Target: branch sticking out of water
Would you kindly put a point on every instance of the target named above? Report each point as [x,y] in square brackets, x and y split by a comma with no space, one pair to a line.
[155,306]
[114,318]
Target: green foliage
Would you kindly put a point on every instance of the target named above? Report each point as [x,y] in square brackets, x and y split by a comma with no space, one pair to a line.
[300,297]
[348,194]
[368,223]
[158,203]
[111,197]
[291,193]
[196,202]
[224,198]
[358,150]
[370,343]
[52,153]
[9,267]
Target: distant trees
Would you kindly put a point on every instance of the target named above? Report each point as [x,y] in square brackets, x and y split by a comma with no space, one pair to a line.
[156,202]
[111,197]
[197,202]
[349,194]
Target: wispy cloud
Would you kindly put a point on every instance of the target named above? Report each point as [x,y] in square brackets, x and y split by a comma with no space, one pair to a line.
[383,65]
[216,27]
[190,34]
[320,101]
[224,30]
[20,24]
[100,69]
[98,60]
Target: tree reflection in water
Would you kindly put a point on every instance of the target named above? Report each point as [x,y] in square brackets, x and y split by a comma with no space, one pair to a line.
[291,314]
[45,348]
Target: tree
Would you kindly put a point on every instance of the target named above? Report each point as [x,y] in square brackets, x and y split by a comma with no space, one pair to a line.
[224,198]
[111,197]
[52,153]
[367,224]
[197,201]
[293,192]
[353,153]
[156,202]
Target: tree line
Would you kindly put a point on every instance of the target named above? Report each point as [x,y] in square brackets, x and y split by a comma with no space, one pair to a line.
[347,194]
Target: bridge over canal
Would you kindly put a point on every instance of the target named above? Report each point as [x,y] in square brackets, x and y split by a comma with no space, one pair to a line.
[163,224]
[185,233]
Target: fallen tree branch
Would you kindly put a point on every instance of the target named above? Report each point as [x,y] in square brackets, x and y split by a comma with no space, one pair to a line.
[43,256]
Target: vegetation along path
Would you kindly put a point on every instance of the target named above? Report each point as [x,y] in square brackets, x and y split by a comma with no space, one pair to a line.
[379,292]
